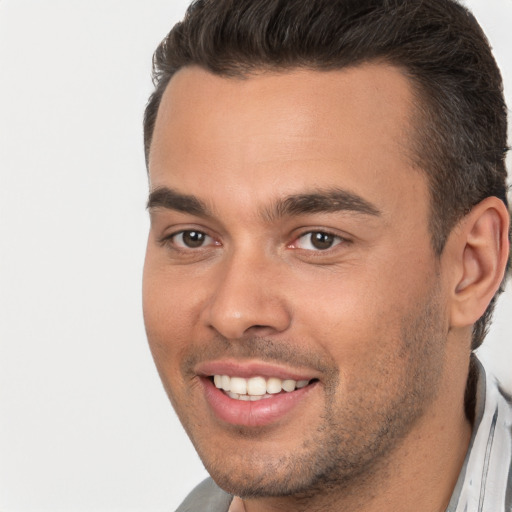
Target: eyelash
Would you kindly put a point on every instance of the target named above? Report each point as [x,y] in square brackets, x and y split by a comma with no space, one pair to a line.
[337,240]
[171,240]
[182,246]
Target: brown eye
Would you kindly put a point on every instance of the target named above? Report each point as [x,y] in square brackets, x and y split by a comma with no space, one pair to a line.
[322,240]
[317,241]
[191,239]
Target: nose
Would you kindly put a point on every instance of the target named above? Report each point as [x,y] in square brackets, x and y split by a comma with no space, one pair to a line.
[247,299]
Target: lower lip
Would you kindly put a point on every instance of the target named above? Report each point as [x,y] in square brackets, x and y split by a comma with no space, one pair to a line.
[253,414]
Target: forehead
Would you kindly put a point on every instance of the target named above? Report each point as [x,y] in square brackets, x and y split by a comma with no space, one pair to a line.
[291,130]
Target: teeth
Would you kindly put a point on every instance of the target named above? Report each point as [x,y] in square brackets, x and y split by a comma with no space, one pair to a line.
[225,381]
[274,385]
[255,388]
[289,385]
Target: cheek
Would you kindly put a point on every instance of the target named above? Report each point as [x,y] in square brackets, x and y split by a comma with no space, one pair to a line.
[165,317]
[167,292]
[358,315]
[345,308]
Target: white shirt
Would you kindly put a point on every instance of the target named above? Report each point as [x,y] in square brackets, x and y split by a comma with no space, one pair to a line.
[485,481]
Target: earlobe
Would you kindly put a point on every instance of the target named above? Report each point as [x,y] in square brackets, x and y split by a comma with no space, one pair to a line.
[482,252]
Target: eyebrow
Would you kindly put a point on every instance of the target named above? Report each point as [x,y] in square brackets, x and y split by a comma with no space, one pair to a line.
[164,197]
[321,201]
[318,201]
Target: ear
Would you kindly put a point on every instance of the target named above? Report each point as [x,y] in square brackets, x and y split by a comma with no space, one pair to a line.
[480,247]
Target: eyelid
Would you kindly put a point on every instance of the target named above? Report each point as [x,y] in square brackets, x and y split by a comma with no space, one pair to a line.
[340,240]
[169,239]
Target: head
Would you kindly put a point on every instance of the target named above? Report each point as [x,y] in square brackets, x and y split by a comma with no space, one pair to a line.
[460,137]
[315,166]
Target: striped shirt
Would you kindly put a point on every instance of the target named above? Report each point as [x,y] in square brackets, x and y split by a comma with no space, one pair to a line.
[485,481]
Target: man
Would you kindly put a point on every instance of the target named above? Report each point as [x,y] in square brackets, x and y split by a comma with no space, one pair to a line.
[329,229]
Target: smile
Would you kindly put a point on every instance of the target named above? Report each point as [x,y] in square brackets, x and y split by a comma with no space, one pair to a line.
[256,401]
[256,388]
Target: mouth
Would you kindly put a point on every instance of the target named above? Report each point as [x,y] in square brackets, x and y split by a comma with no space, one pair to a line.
[255,395]
[256,388]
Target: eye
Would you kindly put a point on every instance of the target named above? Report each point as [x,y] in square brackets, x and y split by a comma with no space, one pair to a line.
[191,239]
[317,241]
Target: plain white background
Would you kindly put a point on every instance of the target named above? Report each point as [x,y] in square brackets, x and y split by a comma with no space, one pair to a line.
[84,422]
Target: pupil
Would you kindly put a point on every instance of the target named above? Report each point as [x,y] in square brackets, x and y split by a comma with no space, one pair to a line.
[322,240]
[193,238]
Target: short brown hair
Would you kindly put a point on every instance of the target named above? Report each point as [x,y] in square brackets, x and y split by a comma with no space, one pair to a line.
[461,136]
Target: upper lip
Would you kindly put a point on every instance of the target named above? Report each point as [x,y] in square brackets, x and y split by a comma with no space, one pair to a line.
[248,369]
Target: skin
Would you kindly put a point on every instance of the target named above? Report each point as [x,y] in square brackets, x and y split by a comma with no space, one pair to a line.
[375,318]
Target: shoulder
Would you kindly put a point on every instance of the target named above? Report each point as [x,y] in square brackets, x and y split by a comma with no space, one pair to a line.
[206,497]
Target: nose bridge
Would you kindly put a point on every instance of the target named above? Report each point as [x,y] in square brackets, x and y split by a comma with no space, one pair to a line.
[247,296]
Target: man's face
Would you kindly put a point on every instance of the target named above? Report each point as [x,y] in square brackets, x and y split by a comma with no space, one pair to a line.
[289,250]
